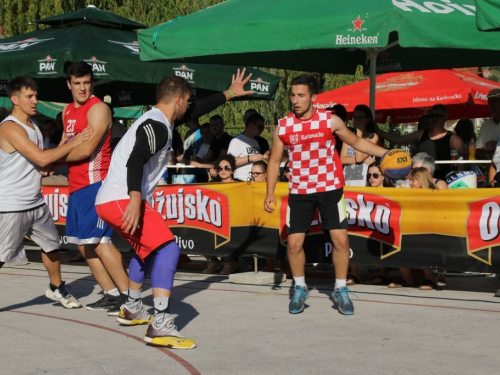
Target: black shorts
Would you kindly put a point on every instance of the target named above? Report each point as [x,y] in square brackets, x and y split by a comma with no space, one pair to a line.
[302,207]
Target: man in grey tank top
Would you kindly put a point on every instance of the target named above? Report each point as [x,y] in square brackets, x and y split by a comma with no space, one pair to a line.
[22,208]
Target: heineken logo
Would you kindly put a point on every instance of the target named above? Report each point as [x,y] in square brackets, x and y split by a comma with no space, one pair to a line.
[21,45]
[356,35]
[134,46]
[259,86]
[47,65]
[98,66]
[441,7]
[184,72]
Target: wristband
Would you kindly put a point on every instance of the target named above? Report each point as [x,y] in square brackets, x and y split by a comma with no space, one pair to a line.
[232,93]
[248,156]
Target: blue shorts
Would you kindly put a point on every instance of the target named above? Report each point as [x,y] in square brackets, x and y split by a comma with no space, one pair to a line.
[83,225]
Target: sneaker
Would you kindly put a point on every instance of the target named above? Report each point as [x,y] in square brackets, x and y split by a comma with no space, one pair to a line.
[62,296]
[115,310]
[213,267]
[341,296]
[130,317]
[105,303]
[166,335]
[299,298]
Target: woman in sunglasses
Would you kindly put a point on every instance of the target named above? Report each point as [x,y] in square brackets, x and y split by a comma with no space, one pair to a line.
[225,167]
[258,173]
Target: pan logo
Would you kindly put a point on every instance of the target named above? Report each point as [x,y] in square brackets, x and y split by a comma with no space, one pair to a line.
[98,67]
[356,38]
[259,87]
[184,72]
[21,45]
[434,6]
[47,66]
[125,97]
[3,88]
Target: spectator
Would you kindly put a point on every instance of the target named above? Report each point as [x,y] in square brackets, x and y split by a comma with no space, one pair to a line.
[340,111]
[436,141]
[423,159]
[424,122]
[48,129]
[490,130]
[285,176]
[465,130]
[263,143]
[245,148]
[258,172]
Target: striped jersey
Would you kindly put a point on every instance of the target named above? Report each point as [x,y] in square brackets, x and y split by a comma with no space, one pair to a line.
[315,166]
[95,168]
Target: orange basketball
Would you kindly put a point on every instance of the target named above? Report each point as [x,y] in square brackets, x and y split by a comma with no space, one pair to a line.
[396,164]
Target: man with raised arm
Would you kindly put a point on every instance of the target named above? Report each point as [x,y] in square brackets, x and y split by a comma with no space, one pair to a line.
[316,182]
[22,208]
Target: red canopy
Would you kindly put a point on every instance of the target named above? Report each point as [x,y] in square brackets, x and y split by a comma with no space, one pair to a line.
[407,96]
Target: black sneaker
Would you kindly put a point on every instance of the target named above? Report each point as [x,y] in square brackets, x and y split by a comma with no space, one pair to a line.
[105,303]
[115,310]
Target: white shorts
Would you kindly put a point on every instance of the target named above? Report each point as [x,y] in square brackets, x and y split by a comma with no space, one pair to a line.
[37,224]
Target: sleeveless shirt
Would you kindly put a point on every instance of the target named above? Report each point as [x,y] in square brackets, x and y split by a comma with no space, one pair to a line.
[95,168]
[115,186]
[315,166]
[20,179]
[439,149]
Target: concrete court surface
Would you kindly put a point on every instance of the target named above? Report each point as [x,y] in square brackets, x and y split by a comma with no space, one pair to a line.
[245,329]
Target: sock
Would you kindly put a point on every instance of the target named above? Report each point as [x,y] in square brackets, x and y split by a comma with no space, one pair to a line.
[161,310]
[300,281]
[340,283]
[112,292]
[134,298]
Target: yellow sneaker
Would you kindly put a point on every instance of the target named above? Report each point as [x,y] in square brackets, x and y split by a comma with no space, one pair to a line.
[166,335]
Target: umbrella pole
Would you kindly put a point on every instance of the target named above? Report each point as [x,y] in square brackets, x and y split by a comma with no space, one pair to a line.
[372,55]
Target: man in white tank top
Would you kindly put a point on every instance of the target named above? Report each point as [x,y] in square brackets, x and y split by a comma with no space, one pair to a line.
[22,208]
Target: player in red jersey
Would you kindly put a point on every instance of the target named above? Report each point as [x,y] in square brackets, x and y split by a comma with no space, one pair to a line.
[88,166]
[316,181]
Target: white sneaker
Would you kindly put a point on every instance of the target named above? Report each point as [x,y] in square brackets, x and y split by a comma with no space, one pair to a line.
[62,296]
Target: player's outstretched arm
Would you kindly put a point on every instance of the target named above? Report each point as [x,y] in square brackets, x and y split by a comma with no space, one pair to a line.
[273,171]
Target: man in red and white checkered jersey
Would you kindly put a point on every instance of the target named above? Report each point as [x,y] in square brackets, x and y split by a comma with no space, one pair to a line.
[316,182]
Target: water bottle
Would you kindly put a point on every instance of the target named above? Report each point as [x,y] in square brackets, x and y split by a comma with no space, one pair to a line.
[472,149]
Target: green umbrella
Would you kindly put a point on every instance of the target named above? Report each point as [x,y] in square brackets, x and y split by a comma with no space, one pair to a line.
[328,36]
[488,15]
[51,109]
[111,48]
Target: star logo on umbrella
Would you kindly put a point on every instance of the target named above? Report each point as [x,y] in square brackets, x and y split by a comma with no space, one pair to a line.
[384,56]
[357,24]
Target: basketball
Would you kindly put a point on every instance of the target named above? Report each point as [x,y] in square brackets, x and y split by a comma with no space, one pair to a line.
[396,164]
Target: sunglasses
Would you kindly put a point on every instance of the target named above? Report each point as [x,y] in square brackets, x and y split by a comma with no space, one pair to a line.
[375,175]
[255,174]
[225,168]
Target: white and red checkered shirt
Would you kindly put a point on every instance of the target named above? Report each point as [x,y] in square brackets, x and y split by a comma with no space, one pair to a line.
[315,166]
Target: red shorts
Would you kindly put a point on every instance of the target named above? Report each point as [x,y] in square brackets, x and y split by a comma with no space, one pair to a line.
[152,232]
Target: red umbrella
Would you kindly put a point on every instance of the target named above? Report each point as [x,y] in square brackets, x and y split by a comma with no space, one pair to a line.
[407,96]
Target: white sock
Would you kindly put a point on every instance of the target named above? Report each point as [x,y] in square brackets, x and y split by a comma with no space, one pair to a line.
[300,281]
[112,292]
[340,283]
[134,298]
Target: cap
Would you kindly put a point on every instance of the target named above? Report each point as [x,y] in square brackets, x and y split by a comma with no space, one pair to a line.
[107,99]
[495,93]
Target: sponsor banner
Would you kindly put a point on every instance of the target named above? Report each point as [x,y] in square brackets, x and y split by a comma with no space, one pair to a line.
[454,229]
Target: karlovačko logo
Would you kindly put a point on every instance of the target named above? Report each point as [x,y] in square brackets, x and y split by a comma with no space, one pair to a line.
[195,207]
[21,45]
[98,66]
[47,66]
[133,46]
[357,35]
[368,215]
[184,72]
[259,86]
[483,226]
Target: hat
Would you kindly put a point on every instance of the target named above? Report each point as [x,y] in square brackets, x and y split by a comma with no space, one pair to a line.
[495,93]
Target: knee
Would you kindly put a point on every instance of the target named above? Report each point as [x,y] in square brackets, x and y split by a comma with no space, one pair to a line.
[294,246]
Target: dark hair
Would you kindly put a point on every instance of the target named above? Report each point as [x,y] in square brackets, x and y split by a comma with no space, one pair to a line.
[387,181]
[465,130]
[254,118]
[440,107]
[340,111]
[285,168]
[217,118]
[15,85]
[230,159]
[205,125]
[307,80]
[78,70]
[170,87]
[370,125]
[248,112]
[262,164]
[422,120]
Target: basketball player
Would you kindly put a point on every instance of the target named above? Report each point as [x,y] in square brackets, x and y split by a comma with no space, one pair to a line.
[316,181]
